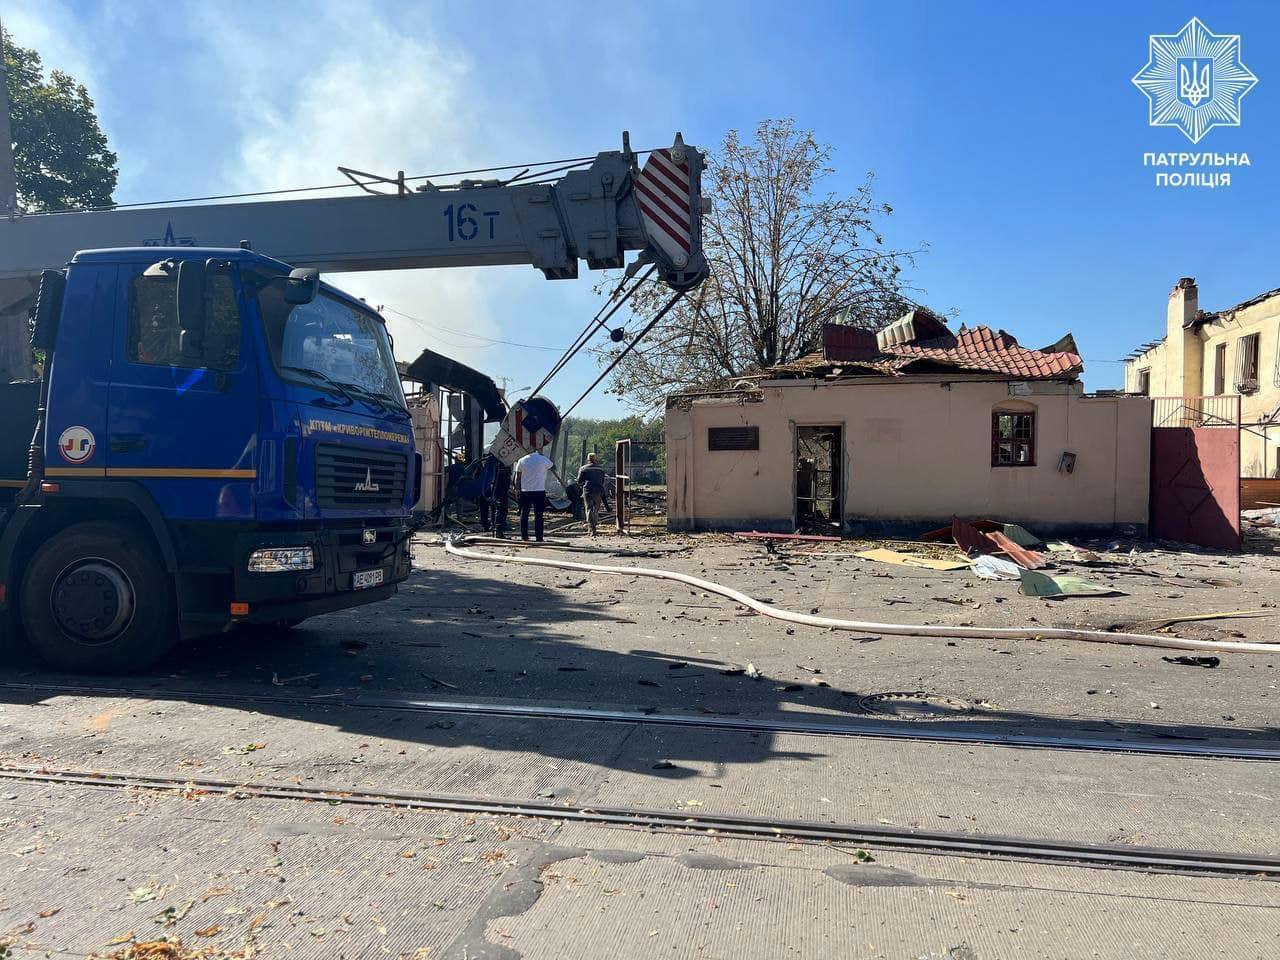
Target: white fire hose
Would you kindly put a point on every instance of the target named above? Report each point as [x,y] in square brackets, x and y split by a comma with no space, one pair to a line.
[861,626]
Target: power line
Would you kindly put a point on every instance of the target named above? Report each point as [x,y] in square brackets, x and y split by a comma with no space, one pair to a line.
[630,346]
[490,341]
[597,321]
[351,183]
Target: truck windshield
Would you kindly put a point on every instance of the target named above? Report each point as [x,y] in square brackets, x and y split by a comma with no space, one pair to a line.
[330,336]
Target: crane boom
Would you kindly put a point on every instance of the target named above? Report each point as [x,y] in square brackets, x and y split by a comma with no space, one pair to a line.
[595,214]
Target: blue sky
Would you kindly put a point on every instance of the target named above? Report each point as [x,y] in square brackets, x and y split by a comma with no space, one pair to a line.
[1007,137]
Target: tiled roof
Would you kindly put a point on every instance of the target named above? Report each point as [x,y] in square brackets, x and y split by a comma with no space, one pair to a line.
[994,352]
[976,350]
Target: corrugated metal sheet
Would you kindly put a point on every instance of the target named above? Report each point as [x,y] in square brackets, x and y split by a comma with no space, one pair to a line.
[916,325]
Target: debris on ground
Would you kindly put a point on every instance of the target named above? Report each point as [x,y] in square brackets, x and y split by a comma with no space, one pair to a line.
[1190,661]
[1021,536]
[1037,584]
[885,555]
[1159,623]
[810,537]
[984,537]
[988,567]
[1071,553]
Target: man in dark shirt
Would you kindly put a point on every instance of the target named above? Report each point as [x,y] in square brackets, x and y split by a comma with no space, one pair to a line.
[592,480]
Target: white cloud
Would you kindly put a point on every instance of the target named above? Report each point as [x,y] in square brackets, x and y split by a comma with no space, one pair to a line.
[49,27]
[347,85]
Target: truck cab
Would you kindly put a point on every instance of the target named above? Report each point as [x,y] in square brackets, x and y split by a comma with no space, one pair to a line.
[218,439]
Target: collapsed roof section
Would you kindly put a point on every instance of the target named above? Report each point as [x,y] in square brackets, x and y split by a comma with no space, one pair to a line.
[920,342]
[441,371]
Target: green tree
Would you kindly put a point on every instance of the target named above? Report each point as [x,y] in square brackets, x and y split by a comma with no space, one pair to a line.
[60,155]
[647,452]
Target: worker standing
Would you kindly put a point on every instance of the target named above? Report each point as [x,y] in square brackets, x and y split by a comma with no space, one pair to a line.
[495,486]
[531,481]
[592,479]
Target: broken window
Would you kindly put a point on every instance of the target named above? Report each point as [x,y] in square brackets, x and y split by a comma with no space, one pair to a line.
[1144,382]
[1220,369]
[1013,439]
[733,438]
[1247,364]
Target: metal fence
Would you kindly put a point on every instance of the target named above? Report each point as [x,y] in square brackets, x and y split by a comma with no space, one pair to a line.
[1196,412]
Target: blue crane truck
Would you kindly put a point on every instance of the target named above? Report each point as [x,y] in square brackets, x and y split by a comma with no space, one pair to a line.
[215,439]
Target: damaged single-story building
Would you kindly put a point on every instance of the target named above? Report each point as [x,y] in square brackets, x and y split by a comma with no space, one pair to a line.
[905,428]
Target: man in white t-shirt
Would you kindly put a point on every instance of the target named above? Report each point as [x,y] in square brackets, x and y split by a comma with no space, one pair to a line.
[531,481]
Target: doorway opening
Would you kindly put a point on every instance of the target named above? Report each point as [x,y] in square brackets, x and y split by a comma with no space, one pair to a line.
[819,455]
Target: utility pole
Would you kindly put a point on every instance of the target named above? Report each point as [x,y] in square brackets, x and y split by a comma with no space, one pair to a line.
[8,182]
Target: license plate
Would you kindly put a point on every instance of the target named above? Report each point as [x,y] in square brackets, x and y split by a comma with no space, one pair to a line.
[363,579]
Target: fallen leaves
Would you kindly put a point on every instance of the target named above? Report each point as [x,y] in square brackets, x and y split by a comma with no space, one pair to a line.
[246,748]
[171,950]
[171,915]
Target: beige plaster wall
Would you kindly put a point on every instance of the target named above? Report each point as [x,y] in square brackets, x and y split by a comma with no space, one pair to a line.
[1175,374]
[915,451]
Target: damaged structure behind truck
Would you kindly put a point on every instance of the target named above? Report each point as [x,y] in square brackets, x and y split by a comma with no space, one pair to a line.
[905,428]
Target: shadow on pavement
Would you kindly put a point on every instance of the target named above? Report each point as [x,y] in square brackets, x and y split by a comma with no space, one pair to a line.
[457,635]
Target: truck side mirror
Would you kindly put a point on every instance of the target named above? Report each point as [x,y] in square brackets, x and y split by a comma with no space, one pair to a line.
[192,278]
[302,286]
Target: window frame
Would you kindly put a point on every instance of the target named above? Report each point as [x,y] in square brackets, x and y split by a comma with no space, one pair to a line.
[1248,348]
[1029,443]
[133,335]
[1144,382]
[257,283]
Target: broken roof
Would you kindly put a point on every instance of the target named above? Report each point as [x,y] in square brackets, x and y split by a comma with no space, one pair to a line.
[1203,317]
[920,342]
[440,371]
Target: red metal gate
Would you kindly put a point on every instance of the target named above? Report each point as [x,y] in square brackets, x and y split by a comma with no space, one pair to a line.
[1195,471]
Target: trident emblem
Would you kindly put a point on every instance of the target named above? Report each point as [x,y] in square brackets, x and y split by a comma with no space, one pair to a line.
[1195,84]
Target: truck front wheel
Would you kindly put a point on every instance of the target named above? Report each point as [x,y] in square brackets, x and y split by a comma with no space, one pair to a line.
[96,599]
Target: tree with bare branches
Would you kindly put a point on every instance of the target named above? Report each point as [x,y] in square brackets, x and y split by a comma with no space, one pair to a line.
[785,258]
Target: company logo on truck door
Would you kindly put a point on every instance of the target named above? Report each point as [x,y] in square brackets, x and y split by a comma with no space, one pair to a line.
[354,430]
[367,485]
[76,444]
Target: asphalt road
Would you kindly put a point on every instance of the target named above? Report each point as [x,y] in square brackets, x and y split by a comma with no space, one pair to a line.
[346,863]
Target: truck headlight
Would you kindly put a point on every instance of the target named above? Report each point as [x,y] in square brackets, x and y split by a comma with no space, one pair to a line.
[281,560]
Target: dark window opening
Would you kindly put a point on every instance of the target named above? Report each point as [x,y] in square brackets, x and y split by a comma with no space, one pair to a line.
[1220,369]
[1144,382]
[156,338]
[1247,364]
[733,438]
[819,457]
[1013,439]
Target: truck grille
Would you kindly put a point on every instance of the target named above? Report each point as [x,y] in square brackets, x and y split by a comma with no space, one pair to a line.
[348,478]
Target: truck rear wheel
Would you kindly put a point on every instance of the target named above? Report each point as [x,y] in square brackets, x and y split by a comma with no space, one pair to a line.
[95,599]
